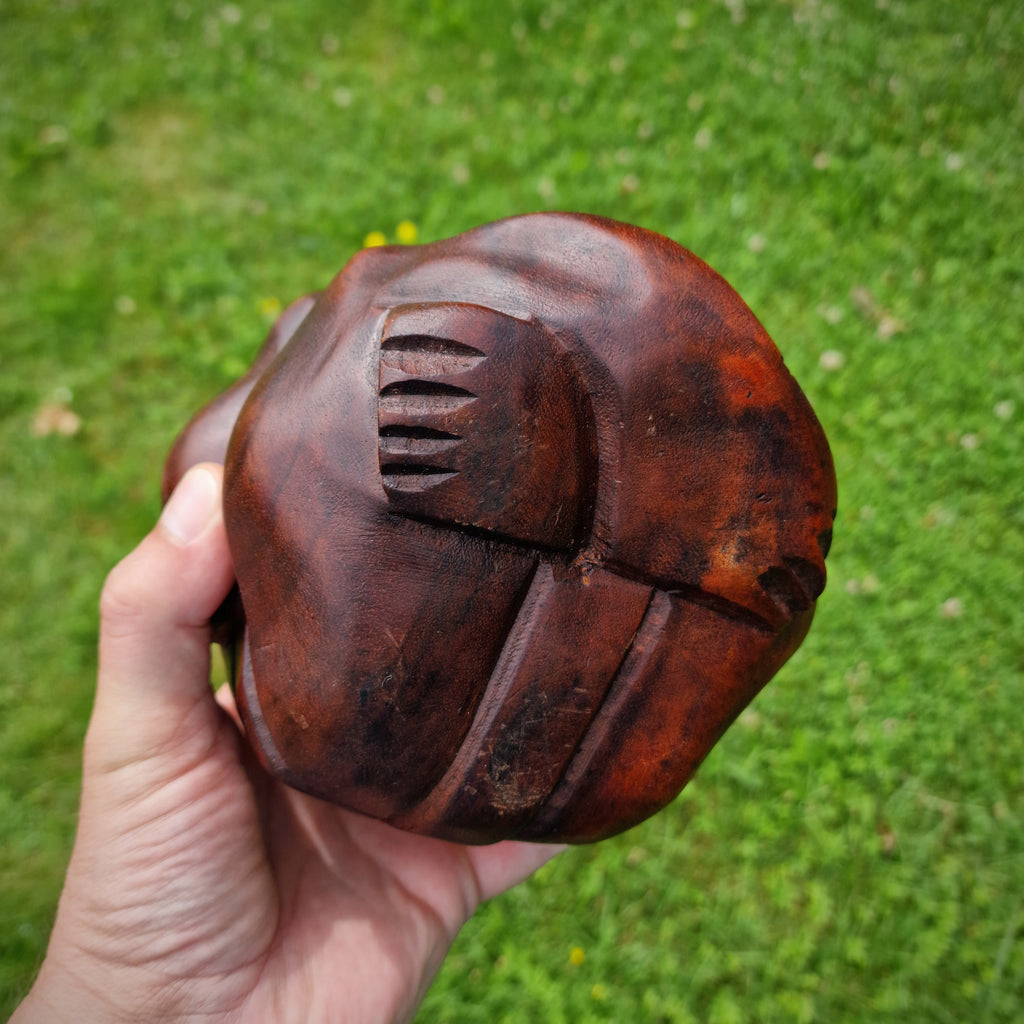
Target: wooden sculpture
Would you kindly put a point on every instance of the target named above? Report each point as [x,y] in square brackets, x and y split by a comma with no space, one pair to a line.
[521,521]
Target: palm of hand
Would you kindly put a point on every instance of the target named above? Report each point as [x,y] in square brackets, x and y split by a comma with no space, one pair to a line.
[248,900]
[200,888]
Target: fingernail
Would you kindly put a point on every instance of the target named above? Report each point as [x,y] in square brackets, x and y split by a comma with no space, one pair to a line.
[191,506]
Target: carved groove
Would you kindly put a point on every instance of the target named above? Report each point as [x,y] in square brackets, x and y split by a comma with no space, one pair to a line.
[404,476]
[603,722]
[810,577]
[694,594]
[420,355]
[415,431]
[404,444]
[488,535]
[721,606]
[785,588]
[423,398]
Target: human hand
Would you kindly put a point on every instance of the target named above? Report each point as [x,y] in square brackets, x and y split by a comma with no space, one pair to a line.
[199,887]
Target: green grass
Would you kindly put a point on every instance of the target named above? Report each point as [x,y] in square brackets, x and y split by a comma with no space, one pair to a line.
[853,850]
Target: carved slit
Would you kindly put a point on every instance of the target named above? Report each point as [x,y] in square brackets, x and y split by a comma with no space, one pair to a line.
[423,398]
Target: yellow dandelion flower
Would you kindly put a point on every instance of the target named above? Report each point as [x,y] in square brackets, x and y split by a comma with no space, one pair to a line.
[374,238]
[598,992]
[407,232]
[270,306]
[577,956]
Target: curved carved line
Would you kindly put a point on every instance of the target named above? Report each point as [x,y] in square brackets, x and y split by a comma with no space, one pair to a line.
[502,677]
[695,595]
[492,536]
[257,720]
[606,716]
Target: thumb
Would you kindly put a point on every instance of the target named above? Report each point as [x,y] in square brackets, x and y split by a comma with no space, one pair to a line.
[154,629]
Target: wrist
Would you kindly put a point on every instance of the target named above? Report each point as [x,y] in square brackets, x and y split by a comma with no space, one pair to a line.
[56,998]
[68,993]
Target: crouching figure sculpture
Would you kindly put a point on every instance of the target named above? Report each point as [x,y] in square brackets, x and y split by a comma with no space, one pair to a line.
[521,521]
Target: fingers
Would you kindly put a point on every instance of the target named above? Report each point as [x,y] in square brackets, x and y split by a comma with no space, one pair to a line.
[503,865]
[226,699]
[154,615]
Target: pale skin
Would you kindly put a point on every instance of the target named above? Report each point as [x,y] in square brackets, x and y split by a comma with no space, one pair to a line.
[199,889]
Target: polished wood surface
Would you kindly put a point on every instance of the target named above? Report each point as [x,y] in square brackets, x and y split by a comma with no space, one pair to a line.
[521,521]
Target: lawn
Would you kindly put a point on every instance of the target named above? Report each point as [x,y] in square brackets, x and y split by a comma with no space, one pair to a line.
[171,174]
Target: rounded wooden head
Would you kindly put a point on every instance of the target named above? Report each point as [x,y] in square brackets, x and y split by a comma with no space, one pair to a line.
[521,521]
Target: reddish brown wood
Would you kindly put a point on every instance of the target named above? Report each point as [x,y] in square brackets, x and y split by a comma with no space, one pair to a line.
[521,521]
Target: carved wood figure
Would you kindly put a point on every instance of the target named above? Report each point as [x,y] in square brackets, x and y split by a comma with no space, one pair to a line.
[521,521]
